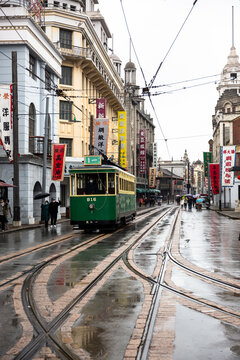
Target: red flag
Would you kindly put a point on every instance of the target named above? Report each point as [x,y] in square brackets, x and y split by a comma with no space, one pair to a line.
[214,175]
[58,161]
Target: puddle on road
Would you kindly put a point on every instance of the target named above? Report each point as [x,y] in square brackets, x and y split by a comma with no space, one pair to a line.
[204,290]
[10,326]
[106,323]
[204,337]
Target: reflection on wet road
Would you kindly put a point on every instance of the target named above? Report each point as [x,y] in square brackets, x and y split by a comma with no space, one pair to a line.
[204,337]
[106,323]
[211,241]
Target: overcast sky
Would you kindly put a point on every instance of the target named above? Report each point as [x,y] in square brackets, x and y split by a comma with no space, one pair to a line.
[201,50]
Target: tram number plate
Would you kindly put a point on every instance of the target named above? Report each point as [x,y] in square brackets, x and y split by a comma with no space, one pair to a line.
[91,199]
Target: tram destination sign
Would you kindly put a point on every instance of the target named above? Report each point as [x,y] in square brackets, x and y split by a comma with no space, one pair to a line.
[93,160]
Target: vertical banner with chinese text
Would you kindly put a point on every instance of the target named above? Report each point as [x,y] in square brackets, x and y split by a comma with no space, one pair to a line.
[142,152]
[101,108]
[154,154]
[215,176]
[6,125]
[152,177]
[228,160]
[122,137]
[100,136]
[58,161]
[207,158]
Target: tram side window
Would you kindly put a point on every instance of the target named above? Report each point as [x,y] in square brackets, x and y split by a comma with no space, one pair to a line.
[111,183]
[80,184]
[73,186]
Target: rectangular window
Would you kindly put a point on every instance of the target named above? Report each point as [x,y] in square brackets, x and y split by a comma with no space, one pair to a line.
[64,6]
[72,8]
[65,110]
[66,75]
[48,80]
[66,39]
[56,3]
[32,67]
[68,142]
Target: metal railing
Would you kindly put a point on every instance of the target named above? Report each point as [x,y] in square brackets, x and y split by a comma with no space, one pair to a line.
[70,50]
[36,145]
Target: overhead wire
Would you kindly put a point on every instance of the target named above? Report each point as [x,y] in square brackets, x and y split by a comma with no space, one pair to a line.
[144,78]
[168,51]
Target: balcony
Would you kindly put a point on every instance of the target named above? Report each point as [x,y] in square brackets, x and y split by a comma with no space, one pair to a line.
[73,51]
[36,144]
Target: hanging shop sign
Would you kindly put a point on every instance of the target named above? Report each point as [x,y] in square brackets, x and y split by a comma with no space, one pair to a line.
[154,154]
[58,161]
[152,177]
[142,152]
[214,176]
[101,108]
[100,136]
[6,124]
[228,157]
[122,137]
[207,158]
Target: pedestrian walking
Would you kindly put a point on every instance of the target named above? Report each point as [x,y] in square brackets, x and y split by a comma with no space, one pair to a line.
[45,213]
[2,216]
[182,202]
[140,201]
[190,203]
[53,211]
[185,203]
[7,211]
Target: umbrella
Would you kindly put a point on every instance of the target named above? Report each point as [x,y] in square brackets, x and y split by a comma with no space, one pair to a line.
[41,196]
[3,184]
[199,200]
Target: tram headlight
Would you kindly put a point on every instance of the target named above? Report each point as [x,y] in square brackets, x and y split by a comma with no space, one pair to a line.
[91,206]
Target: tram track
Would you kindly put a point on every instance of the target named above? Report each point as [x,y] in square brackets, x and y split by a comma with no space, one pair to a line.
[45,332]
[5,259]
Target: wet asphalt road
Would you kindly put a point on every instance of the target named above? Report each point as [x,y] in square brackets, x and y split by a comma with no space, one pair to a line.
[208,240]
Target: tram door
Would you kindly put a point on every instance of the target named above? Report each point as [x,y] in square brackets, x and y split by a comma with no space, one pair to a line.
[117,194]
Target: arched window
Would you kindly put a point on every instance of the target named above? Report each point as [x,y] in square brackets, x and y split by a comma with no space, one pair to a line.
[32,118]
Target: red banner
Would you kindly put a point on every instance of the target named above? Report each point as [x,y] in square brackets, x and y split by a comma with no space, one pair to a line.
[214,175]
[58,161]
[101,108]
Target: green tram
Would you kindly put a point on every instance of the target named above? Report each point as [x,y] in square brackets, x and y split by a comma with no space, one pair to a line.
[101,197]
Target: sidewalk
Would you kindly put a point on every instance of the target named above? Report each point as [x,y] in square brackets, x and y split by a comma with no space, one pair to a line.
[226,212]
[12,228]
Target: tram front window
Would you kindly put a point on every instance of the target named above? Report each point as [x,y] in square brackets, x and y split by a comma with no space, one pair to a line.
[91,184]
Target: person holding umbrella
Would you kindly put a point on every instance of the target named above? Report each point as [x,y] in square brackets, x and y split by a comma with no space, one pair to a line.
[53,211]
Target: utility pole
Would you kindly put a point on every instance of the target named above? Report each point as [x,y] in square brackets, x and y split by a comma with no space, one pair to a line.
[45,144]
[16,202]
[91,150]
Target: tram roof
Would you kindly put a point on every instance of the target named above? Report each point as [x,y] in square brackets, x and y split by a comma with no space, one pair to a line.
[101,168]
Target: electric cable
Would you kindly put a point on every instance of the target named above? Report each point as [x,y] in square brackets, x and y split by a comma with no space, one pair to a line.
[179,31]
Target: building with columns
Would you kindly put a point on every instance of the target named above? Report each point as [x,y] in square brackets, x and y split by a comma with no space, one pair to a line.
[137,119]
[38,71]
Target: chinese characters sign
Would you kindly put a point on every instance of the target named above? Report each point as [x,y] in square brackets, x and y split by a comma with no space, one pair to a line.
[154,154]
[207,158]
[142,151]
[101,108]
[58,161]
[100,136]
[122,137]
[228,160]
[214,175]
[152,177]
[6,126]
